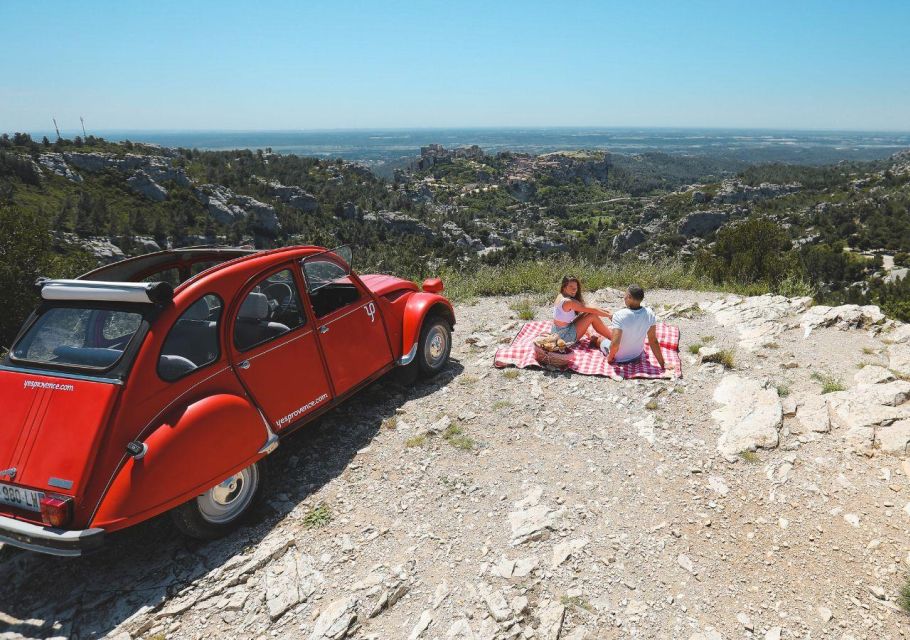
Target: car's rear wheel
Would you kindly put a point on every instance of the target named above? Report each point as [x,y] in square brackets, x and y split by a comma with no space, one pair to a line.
[434,347]
[224,507]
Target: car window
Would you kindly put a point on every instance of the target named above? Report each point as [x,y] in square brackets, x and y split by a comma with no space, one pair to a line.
[192,342]
[80,337]
[270,310]
[329,285]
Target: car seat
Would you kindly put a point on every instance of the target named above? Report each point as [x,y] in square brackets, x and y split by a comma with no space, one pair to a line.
[252,326]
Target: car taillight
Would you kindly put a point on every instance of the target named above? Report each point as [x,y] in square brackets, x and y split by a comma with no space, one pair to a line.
[56,511]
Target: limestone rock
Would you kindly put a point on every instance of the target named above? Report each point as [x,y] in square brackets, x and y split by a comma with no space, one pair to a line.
[55,163]
[423,623]
[289,582]
[532,523]
[892,393]
[563,550]
[750,418]
[899,358]
[899,334]
[701,223]
[142,183]
[335,620]
[845,316]
[460,630]
[496,602]
[263,214]
[812,415]
[894,438]
[872,374]
[551,616]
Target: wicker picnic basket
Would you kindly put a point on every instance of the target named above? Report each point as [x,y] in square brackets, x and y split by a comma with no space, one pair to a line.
[557,359]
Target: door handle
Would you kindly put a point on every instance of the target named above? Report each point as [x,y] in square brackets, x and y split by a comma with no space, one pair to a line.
[324,328]
[244,365]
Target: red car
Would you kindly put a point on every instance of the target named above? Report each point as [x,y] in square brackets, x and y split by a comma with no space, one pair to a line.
[125,396]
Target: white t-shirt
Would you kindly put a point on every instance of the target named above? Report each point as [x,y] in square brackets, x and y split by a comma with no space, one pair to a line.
[634,325]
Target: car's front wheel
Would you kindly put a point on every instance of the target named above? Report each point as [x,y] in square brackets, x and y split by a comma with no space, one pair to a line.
[434,347]
[222,508]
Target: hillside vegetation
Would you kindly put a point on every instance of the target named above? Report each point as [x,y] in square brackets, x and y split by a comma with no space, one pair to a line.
[504,224]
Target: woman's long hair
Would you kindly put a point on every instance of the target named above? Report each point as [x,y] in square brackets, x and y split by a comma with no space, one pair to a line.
[578,297]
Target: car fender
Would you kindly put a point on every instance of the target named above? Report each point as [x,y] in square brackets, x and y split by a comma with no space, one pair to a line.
[192,450]
[419,306]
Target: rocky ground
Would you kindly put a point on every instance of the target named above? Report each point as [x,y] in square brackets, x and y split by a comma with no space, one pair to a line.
[533,504]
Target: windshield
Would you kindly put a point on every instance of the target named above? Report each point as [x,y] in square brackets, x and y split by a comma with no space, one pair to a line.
[79,337]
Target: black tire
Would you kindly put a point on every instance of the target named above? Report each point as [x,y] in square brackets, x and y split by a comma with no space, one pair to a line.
[223,508]
[434,346]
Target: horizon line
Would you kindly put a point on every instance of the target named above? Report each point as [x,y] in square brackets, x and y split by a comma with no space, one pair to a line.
[487,128]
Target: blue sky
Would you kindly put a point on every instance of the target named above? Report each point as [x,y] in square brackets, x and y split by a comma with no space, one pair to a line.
[314,65]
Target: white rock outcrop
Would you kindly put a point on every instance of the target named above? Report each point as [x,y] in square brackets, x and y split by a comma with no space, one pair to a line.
[758,320]
[750,417]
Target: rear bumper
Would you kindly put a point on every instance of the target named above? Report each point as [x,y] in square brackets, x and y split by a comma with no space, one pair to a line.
[58,542]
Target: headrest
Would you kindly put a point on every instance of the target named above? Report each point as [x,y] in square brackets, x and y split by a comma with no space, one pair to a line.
[198,311]
[255,307]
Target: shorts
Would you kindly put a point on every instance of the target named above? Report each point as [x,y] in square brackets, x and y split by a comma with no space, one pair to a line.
[567,333]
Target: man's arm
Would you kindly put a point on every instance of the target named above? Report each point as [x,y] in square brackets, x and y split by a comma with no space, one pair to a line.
[655,346]
[614,344]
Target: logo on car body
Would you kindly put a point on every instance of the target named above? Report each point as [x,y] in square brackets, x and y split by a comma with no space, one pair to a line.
[300,410]
[370,308]
[40,384]
[11,473]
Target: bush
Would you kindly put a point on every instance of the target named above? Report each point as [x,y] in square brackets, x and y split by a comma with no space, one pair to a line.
[754,250]
[26,253]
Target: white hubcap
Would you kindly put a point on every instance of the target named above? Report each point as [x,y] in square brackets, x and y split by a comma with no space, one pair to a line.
[226,501]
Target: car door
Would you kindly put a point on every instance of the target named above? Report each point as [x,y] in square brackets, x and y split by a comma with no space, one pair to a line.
[349,326]
[275,351]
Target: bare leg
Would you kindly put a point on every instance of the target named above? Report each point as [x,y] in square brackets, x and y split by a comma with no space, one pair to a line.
[601,328]
[583,322]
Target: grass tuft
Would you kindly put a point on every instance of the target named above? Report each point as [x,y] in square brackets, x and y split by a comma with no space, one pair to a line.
[829,383]
[724,357]
[456,437]
[749,456]
[903,598]
[416,441]
[651,405]
[576,601]
[693,348]
[318,516]
[500,404]
[524,309]
[467,379]
[783,390]
[390,423]
[510,374]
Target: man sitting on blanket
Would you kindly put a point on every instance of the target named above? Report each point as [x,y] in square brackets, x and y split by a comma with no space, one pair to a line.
[630,327]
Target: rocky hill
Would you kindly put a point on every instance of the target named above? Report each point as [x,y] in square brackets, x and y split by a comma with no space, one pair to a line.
[764,494]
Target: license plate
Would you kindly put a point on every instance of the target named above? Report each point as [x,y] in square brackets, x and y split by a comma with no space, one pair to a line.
[20,497]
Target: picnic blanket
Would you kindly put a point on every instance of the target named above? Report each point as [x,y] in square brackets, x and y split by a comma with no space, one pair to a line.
[592,362]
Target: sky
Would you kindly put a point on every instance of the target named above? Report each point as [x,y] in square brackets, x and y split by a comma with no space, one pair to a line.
[306,65]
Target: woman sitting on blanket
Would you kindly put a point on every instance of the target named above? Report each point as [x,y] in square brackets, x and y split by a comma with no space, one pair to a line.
[571,318]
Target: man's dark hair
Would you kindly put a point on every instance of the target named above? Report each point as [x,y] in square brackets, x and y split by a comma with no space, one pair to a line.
[636,292]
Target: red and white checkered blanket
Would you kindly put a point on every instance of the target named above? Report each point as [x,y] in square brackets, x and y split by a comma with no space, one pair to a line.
[592,362]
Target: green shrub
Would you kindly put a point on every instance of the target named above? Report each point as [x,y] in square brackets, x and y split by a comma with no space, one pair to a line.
[523,308]
[829,383]
[456,437]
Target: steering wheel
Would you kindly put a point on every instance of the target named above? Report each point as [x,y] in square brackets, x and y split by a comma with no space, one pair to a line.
[280,295]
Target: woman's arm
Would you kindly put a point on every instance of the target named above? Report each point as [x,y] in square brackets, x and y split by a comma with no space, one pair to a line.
[574,305]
